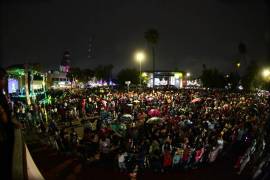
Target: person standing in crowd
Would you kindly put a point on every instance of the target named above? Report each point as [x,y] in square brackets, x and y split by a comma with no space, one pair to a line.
[73,137]
[104,147]
[6,131]
[121,161]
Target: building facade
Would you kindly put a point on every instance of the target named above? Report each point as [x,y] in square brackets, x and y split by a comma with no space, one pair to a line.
[58,78]
[164,78]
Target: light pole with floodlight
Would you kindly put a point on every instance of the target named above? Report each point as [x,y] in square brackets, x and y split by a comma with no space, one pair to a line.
[266,74]
[139,56]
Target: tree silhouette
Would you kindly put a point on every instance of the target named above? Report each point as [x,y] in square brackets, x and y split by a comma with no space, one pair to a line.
[87,74]
[128,75]
[233,79]
[252,78]
[104,72]
[74,73]
[152,37]
[212,78]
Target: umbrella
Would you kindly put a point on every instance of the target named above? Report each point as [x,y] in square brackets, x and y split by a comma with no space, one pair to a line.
[182,110]
[153,120]
[104,131]
[120,129]
[253,110]
[127,116]
[226,106]
[104,102]
[154,112]
[196,100]
[136,101]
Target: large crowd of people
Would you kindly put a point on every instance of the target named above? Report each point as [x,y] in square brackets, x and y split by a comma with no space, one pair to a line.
[158,130]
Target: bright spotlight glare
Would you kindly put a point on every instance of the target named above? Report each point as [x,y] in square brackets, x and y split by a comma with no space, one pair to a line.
[266,73]
[139,56]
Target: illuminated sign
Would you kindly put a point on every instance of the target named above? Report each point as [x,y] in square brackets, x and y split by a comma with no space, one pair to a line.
[13,85]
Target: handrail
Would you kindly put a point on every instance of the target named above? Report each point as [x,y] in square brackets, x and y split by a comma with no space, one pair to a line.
[32,170]
[23,166]
[18,157]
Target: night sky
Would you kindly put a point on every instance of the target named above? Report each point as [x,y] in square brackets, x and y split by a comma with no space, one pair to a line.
[192,32]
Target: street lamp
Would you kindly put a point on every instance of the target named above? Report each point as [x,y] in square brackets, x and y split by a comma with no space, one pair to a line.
[266,73]
[139,56]
[188,74]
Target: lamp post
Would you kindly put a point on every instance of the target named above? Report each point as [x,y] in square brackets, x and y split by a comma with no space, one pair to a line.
[266,77]
[139,56]
[266,74]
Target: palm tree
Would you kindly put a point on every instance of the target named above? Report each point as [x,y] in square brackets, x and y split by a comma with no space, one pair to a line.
[152,37]
[75,75]
[267,2]
[87,74]
[109,71]
[242,50]
[26,74]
